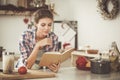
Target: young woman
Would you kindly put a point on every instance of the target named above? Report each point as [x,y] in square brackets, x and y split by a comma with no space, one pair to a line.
[37,41]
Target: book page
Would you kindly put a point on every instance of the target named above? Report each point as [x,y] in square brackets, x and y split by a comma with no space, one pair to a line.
[52,52]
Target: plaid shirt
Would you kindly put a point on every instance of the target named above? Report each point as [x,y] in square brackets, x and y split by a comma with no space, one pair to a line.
[27,43]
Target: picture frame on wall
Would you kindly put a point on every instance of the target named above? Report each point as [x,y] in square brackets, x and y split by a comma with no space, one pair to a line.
[66,32]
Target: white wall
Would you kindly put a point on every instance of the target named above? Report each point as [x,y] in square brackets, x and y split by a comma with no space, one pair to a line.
[92,28]
[11,28]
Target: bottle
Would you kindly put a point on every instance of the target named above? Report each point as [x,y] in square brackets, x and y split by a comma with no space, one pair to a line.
[8,62]
[113,52]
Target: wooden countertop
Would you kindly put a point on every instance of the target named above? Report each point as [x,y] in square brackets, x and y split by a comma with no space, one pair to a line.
[31,74]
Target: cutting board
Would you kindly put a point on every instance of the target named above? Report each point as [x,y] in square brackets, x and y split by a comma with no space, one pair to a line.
[31,74]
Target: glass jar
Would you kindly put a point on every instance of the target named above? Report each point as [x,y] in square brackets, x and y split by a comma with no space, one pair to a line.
[8,62]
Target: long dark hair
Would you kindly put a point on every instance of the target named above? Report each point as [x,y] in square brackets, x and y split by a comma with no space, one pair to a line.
[42,13]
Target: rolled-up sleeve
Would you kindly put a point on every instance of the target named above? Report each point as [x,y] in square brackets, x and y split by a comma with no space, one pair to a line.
[25,48]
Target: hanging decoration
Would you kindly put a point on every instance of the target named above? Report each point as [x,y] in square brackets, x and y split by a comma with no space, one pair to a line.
[104,9]
[52,8]
[26,20]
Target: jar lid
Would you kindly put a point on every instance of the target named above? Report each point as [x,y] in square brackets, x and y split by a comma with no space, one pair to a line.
[100,60]
[8,53]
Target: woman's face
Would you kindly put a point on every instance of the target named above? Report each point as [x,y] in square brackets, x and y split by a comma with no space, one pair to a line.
[44,26]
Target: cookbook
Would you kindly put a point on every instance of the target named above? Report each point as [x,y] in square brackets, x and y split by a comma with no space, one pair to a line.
[49,58]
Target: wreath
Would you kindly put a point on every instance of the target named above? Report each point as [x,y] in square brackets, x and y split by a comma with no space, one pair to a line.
[103,6]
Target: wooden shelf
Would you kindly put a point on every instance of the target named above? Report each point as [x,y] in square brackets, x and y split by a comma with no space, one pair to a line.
[12,13]
[12,10]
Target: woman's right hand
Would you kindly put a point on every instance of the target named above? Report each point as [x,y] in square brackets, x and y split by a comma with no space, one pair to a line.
[54,67]
[44,42]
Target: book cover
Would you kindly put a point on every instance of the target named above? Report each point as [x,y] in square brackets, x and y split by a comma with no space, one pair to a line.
[49,58]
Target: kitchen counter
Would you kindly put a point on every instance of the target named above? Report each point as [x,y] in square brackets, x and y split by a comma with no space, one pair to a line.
[68,72]
[72,73]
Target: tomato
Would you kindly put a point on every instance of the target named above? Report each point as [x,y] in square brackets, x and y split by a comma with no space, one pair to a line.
[22,70]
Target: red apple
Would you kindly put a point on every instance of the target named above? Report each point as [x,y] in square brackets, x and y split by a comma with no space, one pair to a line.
[81,62]
[22,70]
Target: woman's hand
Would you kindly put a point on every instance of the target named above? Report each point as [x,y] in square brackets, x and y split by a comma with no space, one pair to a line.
[44,42]
[54,67]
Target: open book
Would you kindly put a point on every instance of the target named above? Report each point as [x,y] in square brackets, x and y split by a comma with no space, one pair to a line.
[49,58]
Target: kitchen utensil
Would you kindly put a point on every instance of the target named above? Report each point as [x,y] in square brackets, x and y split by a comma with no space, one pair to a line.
[100,66]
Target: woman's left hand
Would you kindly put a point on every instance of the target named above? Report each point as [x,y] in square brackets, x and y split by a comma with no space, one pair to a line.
[54,67]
